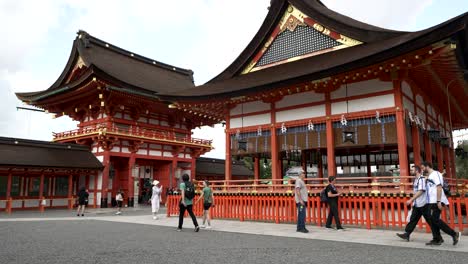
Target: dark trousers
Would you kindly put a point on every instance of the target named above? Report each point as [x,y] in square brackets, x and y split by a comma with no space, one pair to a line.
[416,214]
[333,213]
[182,209]
[437,224]
[301,215]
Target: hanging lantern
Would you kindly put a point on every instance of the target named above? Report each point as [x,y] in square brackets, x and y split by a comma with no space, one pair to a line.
[241,146]
[434,134]
[444,141]
[348,135]
[459,151]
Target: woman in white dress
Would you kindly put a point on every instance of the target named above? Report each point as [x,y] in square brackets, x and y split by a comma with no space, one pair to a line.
[156,198]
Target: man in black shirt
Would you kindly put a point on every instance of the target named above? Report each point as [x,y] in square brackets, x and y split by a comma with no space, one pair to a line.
[332,195]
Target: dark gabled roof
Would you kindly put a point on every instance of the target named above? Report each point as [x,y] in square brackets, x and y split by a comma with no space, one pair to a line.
[130,69]
[314,9]
[211,166]
[15,152]
[379,45]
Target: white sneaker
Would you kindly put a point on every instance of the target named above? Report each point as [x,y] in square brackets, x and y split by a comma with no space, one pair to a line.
[208,227]
[203,226]
[155,218]
[118,213]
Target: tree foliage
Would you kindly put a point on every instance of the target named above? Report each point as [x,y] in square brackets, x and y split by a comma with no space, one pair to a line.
[462,162]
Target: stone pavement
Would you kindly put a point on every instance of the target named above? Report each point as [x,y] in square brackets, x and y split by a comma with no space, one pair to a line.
[352,235]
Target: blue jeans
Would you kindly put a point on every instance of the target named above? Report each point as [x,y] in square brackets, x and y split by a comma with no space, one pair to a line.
[301,215]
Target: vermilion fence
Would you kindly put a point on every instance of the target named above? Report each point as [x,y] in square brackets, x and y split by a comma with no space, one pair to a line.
[363,210]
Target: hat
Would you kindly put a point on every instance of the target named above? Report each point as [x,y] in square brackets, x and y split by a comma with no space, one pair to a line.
[155,182]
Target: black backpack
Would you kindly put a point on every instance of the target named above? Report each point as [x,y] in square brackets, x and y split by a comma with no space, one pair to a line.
[189,190]
[324,196]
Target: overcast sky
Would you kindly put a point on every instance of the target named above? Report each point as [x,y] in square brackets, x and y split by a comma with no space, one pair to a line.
[202,35]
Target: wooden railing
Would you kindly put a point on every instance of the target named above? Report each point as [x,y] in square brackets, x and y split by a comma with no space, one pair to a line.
[132,132]
[362,210]
[374,185]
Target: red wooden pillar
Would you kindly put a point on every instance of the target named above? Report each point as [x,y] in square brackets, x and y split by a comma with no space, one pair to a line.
[8,193]
[401,130]
[70,187]
[131,184]
[416,145]
[105,179]
[427,147]
[228,158]
[275,174]
[256,168]
[330,139]
[193,169]
[440,160]
[41,193]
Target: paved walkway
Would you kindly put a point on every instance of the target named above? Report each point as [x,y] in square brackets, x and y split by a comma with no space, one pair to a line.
[354,235]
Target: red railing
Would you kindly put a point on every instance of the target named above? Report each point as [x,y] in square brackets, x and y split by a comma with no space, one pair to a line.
[363,210]
[132,132]
[374,185]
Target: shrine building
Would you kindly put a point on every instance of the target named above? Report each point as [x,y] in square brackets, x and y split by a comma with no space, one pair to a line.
[338,96]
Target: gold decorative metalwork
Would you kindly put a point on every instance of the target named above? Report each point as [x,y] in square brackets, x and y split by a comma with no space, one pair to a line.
[290,20]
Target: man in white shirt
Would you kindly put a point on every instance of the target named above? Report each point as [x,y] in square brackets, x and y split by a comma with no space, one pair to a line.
[436,200]
[419,203]
[301,197]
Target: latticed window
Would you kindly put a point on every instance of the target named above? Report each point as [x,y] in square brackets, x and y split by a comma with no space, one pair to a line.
[303,40]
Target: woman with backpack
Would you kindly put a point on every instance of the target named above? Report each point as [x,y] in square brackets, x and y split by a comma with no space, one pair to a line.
[332,199]
[186,202]
[208,201]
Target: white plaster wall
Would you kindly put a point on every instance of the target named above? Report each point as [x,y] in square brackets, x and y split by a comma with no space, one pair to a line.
[115,149]
[155,153]
[420,101]
[91,198]
[125,150]
[300,113]
[188,156]
[91,181]
[98,198]
[360,88]
[154,121]
[155,146]
[300,98]
[168,147]
[16,204]
[31,203]
[406,88]
[99,182]
[142,119]
[164,123]
[430,110]
[142,151]
[407,104]
[250,107]
[364,104]
[59,202]
[167,154]
[250,120]
[422,115]
[2,204]
[100,158]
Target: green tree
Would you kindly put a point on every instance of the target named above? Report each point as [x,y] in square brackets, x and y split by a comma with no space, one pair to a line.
[461,162]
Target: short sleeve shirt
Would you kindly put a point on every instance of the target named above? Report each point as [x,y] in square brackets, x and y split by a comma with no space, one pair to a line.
[331,188]
[302,190]
[187,201]
[435,179]
[207,195]
[419,184]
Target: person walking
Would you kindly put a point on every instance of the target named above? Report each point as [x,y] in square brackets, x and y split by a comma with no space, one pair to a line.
[208,201]
[332,195]
[155,198]
[418,202]
[187,190]
[301,196]
[82,200]
[436,203]
[119,200]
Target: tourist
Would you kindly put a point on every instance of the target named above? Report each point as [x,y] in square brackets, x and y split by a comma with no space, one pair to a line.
[119,200]
[82,200]
[155,198]
[419,203]
[208,201]
[186,202]
[436,203]
[332,195]
[301,197]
